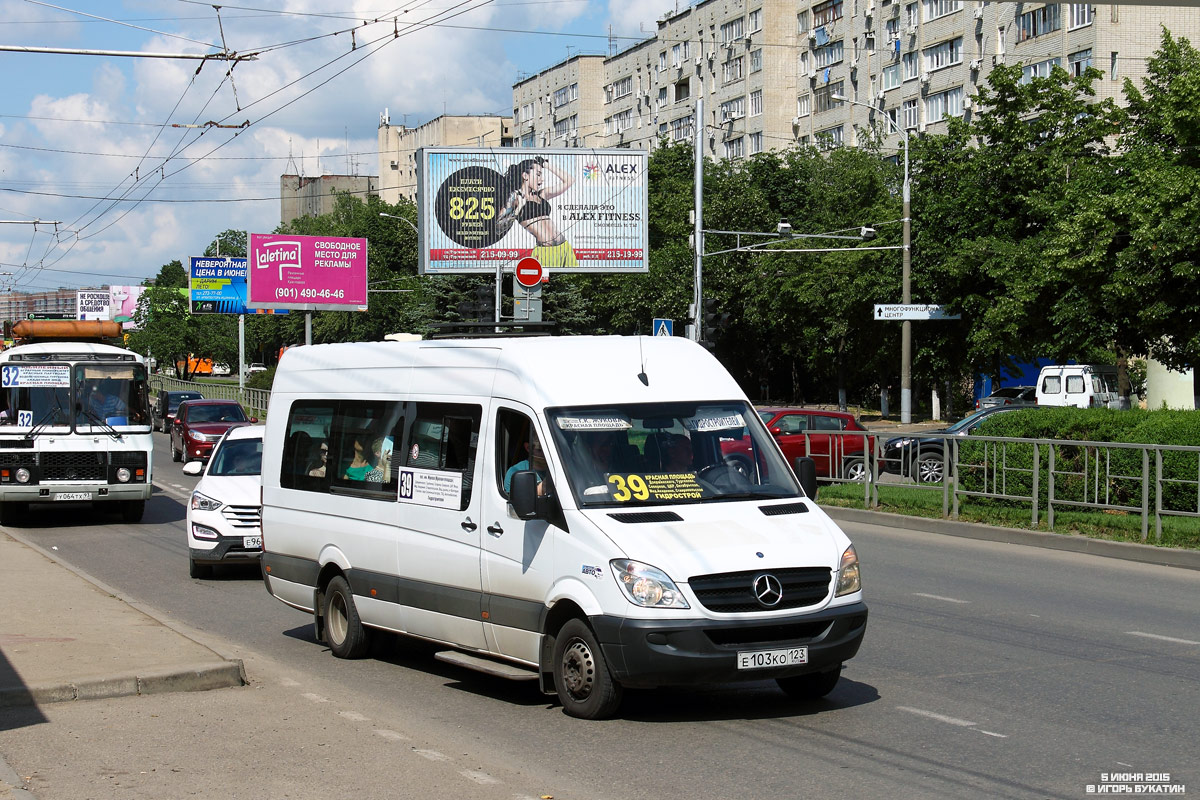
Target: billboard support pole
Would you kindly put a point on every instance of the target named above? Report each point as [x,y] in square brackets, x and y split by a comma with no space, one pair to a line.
[499,283]
[241,354]
[698,221]
[308,327]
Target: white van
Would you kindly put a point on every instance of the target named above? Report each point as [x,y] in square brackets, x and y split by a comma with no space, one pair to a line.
[558,509]
[1079,385]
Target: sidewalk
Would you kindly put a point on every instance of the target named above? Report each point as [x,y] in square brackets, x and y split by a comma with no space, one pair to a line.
[64,637]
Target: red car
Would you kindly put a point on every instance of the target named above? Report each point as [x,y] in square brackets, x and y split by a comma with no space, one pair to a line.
[817,434]
[200,424]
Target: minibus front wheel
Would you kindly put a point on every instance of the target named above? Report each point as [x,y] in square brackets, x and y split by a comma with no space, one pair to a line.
[581,678]
[344,630]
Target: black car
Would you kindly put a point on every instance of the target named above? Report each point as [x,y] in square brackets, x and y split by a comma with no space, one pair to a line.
[165,406]
[919,455]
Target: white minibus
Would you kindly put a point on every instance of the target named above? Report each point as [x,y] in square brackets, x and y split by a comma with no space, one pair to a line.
[562,509]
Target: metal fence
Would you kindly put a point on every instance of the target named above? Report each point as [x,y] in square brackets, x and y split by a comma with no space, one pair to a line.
[1150,480]
[255,401]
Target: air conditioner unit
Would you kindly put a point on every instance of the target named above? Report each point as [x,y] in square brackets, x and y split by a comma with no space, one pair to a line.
[796,120]
[966,103]
[854,63]
[921,128]
[882,94]
[911,30]
[979,12]
[997,58]
[870,9]
[976,64]
[698,60]
[924,77]
[711,55]
[812,73]
[812,36]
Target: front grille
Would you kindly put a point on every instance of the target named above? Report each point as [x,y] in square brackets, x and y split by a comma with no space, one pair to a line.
[647,516]
[733,592]
[128,458]
[16,460]
[74,466]
[248,517]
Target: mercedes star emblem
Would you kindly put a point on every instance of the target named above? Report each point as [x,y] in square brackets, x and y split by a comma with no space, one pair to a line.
[768,590]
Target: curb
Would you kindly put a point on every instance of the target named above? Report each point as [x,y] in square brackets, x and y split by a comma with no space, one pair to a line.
[1126,551]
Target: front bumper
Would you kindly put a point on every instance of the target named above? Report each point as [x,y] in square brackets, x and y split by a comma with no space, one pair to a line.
[106,493]
[649,653]
[227,549]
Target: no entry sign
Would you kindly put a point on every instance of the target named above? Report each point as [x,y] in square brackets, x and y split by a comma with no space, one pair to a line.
[529,272]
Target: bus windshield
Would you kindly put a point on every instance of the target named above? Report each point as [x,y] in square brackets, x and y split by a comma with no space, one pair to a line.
[657,453]
[111,394]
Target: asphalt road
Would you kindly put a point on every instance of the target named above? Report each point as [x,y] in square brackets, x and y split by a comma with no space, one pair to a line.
[988,670]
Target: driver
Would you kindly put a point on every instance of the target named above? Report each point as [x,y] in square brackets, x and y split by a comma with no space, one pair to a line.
[677,453]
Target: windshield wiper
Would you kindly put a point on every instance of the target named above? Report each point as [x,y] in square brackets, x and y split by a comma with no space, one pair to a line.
[48,419]
[96,421]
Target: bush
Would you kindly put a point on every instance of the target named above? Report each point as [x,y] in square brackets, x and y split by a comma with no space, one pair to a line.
[261,380]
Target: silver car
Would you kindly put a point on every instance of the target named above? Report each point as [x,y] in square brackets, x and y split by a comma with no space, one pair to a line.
[1009,396]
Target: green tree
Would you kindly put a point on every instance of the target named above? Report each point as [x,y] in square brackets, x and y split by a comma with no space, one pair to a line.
[170,333]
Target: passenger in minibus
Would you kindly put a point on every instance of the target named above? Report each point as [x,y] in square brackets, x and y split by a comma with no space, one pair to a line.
[536,462]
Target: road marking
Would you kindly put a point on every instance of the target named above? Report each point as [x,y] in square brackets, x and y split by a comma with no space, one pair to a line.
[989,733]
[354,715]
[481,778]
[962,723]
[1161,638]
[432,755]
[316,698]
[391,736]
[939,597]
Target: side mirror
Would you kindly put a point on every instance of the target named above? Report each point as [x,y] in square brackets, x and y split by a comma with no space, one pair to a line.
[777,431]
[193,468]
[523,494]
[806,472]
[253,420]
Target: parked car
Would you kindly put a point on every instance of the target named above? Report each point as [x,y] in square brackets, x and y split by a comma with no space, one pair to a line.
[162,413]
[199,424]
[1009,396]
[1079,385]
[255,367]
[921,455]
[224,517]
[814,433]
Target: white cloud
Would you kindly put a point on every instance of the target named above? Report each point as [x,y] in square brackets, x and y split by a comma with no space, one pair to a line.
[639,17]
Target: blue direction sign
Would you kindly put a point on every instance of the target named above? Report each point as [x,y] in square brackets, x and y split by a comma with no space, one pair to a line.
[663,327]
[218,285]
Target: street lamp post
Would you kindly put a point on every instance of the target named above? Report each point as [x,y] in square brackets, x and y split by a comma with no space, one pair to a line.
[905,274]
[241,330]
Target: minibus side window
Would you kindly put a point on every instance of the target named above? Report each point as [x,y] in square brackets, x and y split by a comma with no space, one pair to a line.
[1052,385]
[363,440]
[306,447]
[512,443]
[1075,384]
[445,436]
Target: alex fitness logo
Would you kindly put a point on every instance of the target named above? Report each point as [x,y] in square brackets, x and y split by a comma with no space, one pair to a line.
[591,171]
[285,255]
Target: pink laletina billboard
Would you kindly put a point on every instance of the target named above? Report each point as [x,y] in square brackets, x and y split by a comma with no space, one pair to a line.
[307,273]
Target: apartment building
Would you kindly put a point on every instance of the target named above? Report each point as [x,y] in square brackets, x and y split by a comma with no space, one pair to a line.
[773,73]
[303,196]
[15,306]
[398,145]
[561,106]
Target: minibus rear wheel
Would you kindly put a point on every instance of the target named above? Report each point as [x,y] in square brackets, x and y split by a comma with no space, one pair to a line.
[581,677]
[344,631]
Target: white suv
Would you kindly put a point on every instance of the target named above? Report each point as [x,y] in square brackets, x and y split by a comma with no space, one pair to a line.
[224,517]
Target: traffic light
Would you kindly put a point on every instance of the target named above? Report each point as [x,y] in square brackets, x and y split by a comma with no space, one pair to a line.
[714,321]
[482,306]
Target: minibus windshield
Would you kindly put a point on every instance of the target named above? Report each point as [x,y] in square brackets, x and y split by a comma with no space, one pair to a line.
[668,453]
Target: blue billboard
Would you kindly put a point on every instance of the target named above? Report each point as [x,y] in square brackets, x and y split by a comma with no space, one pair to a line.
[217,285]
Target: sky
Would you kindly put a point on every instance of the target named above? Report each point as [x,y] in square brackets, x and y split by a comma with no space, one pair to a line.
[118,160]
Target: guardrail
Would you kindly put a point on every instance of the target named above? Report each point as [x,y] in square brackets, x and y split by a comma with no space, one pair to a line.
[1151,480]
[255,401]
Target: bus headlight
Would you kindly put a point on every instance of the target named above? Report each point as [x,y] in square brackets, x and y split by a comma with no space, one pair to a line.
[22,475]
[647,586]
[849,579]
[123,475]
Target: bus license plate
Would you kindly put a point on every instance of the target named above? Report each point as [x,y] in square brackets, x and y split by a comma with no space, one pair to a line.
[252,542]
[762,659]
[73,496]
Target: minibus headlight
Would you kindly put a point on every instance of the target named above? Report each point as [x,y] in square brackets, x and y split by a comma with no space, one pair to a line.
[22,475]
[647,586]
[849,579]
[204,503]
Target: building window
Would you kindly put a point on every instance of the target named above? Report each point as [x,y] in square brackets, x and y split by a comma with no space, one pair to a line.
[681,128]
[683,90]
[830,138]
[566,95]
[756,20]
[662,96]
[756,103]
[803,105]
[1079,62]
[804,140]
[756,61]
[756,142]
[891,29]
[831,53]
[943,55]
[1037,22]
[623,87]
[733,109]
[910,15]
[1081,15]
[942,104]
[825,13]
[662,61]
[1039,70]
[889,78]
[940,8]
[732,31]
[893,115]
[805,67]
[732,70]
[663,129]
[567,127]
[1113,61]
[825,94]
[911,65]
[802,22]
[908,110]
[735,148]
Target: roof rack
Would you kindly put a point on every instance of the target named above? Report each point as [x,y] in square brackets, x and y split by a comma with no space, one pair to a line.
[487,330]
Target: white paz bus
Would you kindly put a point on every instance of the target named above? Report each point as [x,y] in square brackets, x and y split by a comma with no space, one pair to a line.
[74,420]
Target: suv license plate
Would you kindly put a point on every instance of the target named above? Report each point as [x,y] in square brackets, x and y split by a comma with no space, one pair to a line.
[73,496]
[252,542]
[763,659]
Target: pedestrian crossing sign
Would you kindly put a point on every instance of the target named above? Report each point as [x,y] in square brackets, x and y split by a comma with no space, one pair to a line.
[663,327]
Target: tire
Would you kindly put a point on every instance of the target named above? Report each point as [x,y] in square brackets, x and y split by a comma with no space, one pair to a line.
[175,454]
[854,469]
[344,631]
[132,510]
[585,686]
[927,468]
[812,686]
[199,570]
